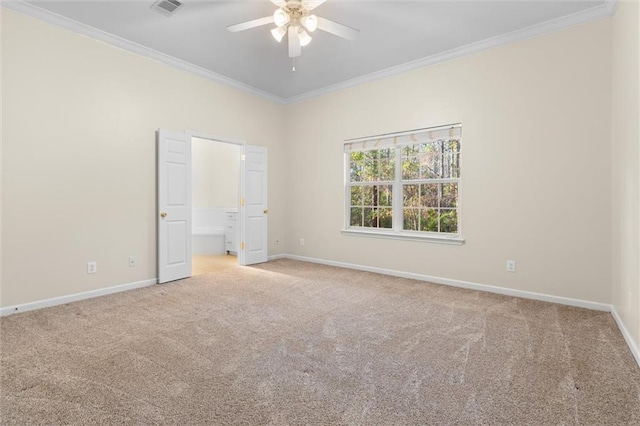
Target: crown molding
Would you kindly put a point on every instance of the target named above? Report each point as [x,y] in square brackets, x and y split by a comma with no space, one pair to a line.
[605,10]
[86,30]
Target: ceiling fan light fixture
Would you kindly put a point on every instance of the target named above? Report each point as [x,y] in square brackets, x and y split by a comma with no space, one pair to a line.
[278,33]
[310,23]
[304,37]
[295,19]
[280,17]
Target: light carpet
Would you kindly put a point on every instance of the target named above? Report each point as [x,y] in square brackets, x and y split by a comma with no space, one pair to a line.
[289,342]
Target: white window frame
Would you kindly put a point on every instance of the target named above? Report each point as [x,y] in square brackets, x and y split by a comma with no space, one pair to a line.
[397,232]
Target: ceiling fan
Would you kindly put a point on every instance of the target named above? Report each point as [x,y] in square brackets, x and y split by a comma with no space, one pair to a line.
[294,18]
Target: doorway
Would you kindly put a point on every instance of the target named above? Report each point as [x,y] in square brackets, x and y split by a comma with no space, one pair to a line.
[174,205]
[215,184]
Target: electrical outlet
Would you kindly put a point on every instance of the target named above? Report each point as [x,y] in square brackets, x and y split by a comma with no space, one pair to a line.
[92,267]
[511,265]
[301,241]
[132,262]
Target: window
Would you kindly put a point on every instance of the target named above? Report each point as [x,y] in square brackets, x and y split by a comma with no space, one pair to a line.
[405,184]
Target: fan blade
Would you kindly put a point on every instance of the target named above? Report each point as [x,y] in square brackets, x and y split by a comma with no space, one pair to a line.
[295,49]
[337,29]
[312,4]
[250,24]
[279,3]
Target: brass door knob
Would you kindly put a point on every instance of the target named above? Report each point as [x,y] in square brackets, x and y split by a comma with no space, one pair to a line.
[265,211]
[163,214]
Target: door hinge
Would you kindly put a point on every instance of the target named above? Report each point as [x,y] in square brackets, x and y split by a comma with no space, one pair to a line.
[241,246]
[242,201]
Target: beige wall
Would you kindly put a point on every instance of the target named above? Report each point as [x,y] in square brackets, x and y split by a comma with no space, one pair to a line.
[626,166]
[536,167]
[215,174]
[80,118]
[79,134]
[1,165]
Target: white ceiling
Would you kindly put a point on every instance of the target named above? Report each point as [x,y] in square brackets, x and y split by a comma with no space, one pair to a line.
[394,35]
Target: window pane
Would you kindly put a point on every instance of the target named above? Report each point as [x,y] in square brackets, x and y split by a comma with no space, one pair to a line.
[388,166]
[410,219]
[429,220]
[373,165]
[369,217]
[409,151]
[385,195]
[356,166]
[356,216]
[410,168]
[451,159]
[367,195]
[376,195]
[455,158]
[429,195]
[448,220]
[379,158]
[449,195]
[356,171]
[370,170]
[429,166]
[356,195]
[411,196]
[385,216]
[430,161]
[422,161]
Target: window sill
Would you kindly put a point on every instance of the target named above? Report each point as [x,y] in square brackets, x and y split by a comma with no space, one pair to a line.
[440,239]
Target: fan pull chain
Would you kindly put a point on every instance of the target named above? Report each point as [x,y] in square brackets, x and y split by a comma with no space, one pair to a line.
[293,70]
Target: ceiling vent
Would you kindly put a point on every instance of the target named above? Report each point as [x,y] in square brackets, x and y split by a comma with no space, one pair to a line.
[166,7]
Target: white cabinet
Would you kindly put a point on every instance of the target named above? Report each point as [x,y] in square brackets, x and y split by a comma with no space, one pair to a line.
[230,232]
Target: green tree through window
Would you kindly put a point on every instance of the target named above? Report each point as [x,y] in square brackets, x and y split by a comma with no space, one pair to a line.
[424,172]
[372,176]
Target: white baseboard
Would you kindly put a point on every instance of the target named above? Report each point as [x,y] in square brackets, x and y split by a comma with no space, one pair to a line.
[457,283]
[39,304]
[277,256]
[626,335]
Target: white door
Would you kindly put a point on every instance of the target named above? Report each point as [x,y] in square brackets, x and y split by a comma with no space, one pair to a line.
[254,243]
[174,206]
